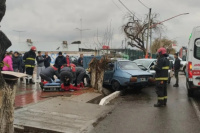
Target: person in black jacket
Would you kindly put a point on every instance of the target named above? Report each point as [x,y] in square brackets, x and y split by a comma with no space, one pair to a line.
[29,61]
[47,60]
[177,65]
[16,62]
[80,60]
[60,60]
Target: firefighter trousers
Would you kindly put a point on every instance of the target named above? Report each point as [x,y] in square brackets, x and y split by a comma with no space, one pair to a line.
[161,90]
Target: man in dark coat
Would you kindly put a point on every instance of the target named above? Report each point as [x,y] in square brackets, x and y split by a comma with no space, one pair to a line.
[60,60]
[47,60]
[16,62]
[177,65]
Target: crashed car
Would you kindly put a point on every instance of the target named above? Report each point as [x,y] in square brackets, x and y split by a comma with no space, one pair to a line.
[125,73]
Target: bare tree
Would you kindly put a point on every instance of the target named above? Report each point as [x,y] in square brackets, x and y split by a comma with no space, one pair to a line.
[105,38]
[7,93]
[136,31]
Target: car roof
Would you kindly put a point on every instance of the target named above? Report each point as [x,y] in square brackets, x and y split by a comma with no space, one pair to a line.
[147,59]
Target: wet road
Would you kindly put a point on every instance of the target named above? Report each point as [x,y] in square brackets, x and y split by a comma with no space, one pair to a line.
[135,113]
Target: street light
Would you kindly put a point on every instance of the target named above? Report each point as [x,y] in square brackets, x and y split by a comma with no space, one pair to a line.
[168,19]
[19,31]
[81,30]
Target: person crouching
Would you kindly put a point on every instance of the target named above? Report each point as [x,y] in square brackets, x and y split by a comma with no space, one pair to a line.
[80,73]
[48,73]
[67,76]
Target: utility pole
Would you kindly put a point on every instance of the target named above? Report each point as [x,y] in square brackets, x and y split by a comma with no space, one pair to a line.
[81,32]
[151,41]
[149,24]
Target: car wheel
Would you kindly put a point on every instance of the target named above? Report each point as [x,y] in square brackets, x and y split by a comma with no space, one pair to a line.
[115,85]
[190,92]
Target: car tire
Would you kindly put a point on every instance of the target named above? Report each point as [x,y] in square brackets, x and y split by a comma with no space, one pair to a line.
[115,85]
[190,92]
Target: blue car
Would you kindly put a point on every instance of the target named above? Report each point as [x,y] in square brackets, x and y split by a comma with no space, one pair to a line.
[125,73]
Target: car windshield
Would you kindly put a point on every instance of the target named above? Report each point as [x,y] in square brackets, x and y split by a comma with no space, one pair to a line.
[145,63]
[128,65]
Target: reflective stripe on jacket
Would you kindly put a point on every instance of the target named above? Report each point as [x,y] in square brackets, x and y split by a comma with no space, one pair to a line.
[29,59]
[161,69]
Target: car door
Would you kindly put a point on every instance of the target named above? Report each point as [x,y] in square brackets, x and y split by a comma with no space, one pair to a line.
[196,63]
[108,75]
[152,71]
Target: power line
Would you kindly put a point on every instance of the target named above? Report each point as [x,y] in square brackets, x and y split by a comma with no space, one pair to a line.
[116,5]
[143,4]
[128,9]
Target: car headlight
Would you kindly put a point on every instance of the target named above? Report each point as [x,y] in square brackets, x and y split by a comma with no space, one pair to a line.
[133,79]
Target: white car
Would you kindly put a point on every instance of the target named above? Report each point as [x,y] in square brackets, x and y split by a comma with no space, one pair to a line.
[148,63]
[193,62]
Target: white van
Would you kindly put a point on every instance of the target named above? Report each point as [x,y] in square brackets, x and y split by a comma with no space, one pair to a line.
[193,62]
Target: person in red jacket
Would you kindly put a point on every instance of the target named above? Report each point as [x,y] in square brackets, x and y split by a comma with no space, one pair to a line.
[8,64]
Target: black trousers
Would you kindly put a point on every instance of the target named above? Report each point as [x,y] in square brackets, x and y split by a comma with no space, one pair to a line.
[80,77]
[176,76]
[29,70]
[161,90]
[45,78]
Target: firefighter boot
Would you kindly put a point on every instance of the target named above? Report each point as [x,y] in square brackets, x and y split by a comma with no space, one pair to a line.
[27,83]
[160,103]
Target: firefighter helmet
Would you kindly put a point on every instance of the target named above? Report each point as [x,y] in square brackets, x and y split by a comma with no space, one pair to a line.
[33,48]
[162,51]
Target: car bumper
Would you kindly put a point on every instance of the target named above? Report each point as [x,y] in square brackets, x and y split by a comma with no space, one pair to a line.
[136,84]
[191,86]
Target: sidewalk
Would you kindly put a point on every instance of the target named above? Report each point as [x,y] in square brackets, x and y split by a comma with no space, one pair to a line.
[61,114]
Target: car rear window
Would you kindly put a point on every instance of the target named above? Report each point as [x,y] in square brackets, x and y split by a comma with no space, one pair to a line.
[197,48]
[128,65]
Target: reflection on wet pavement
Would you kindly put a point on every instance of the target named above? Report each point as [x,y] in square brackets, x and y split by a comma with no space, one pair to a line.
[27,94]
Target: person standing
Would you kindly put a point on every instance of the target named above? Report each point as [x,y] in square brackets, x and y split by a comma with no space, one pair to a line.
[16,62]
[60,60]
[80,60]
[29,61]
[68,60]
[40,64]
[161,77]
[177,65]
[47,60]
[8,64]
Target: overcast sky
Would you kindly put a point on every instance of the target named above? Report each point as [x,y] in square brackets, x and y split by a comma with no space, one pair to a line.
[57,20]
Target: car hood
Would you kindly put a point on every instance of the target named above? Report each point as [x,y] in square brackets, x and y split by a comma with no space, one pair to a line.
[137,72]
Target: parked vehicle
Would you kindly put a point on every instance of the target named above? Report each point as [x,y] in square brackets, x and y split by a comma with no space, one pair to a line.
[183,63]
[193,62]
[125,73]
[148,63]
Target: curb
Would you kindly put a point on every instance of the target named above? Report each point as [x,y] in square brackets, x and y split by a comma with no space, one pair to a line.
[108,98]
[194,104]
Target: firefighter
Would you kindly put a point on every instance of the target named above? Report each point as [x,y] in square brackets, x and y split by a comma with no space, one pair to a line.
[29,60]
[161,77]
